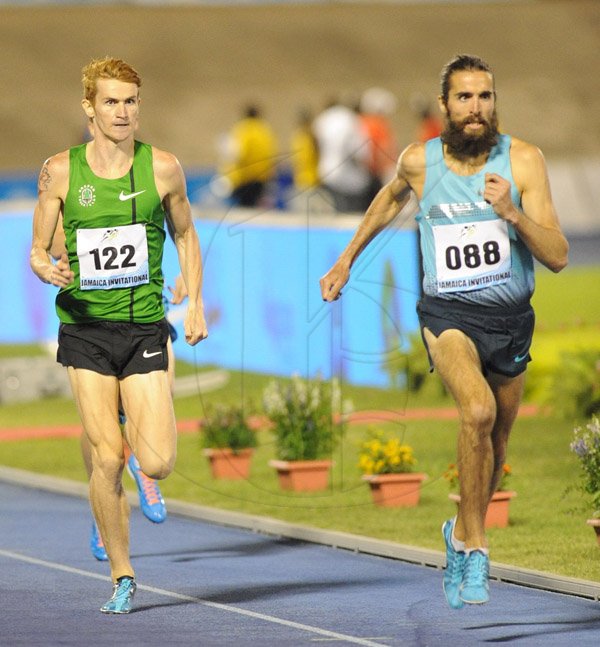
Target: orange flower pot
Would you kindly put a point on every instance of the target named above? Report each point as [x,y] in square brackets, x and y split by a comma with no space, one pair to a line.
[395,490]
[303,476]
[230,465]
[497,515]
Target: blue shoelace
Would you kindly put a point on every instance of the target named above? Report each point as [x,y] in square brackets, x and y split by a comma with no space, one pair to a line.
[476,570]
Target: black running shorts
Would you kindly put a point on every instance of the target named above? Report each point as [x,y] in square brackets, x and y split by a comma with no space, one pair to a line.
[501,335]
[114,348]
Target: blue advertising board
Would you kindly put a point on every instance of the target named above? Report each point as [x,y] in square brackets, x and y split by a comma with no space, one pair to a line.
[261,295]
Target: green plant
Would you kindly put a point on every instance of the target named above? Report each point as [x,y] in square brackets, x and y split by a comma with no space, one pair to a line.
[227,427]
[306,417]
[414,363]
[452,476]
[384,455]
[586,445]
[575,390]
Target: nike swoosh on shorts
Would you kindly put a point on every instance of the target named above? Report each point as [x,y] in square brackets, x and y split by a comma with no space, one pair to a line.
[148,355]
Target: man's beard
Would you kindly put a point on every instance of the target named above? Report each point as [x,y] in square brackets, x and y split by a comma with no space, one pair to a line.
[462,146]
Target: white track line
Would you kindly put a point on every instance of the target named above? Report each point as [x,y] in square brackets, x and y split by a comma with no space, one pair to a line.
[187,598]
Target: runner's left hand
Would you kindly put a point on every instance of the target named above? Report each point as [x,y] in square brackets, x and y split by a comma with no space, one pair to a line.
[497,194]
[194,325]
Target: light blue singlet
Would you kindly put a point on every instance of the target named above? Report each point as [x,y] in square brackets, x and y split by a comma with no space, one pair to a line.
[469,253]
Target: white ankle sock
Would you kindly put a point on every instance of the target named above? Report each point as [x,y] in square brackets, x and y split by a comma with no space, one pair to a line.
[457,544]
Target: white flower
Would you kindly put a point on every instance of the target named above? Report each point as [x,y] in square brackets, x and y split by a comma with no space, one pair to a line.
[299,387]
[315,397]
[273,400]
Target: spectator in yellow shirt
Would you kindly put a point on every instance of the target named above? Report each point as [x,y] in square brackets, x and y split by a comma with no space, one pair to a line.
[305,154]
[251,158]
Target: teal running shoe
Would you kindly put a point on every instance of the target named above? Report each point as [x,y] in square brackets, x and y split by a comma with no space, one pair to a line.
[455,564]
[475,588]
[122,597]
[151,500]
[97,545]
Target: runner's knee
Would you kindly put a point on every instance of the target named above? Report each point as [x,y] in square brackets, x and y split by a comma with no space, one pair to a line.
[155,466]
[479,416]
[107,464]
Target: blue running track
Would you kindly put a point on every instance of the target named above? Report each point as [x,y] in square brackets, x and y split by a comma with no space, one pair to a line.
[208,584]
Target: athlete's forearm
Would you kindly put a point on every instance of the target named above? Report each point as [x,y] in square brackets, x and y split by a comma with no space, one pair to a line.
[40,258]
[41,263]
[58,274]
[190,263]
[547,244]
[381,212]
[535,221]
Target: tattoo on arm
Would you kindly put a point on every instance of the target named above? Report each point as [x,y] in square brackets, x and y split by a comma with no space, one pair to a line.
[44,179]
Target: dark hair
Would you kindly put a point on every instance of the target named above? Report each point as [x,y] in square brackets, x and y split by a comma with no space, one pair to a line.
[251,111]
[460,63]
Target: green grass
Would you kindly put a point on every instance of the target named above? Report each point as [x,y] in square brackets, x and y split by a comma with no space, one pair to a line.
[544,534]
[569,299]
[567,307]
[547,530]
[21,350]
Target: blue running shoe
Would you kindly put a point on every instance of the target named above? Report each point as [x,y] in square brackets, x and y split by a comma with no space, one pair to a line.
[455,565]
[122,597]
[97,545]
[151,501]
[475,588]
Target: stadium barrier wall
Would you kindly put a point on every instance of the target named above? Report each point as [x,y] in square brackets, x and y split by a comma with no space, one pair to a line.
[262,296]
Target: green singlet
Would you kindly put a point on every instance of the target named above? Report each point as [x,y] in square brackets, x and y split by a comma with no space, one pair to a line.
[115,236]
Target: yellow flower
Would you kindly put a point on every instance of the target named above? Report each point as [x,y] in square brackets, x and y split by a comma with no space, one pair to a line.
[452,476]
[381,455]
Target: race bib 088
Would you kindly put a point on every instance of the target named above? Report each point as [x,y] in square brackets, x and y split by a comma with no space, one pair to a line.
[112,258]
[472,255]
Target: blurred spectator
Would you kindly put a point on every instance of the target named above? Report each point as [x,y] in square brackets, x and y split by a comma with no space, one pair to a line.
[377,105]
[343,155]
[305,153]
[430,124]
[250,158]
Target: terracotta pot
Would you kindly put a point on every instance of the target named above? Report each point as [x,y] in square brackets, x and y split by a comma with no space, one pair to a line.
[303,476]
[230,465]
[395,490]
[595,523]
[497,515]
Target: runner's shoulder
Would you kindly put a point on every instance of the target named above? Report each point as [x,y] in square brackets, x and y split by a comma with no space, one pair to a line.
[58,163]
[165,163]
[411,163]
[527,161]
[168,173]
[54,175]
[524,151]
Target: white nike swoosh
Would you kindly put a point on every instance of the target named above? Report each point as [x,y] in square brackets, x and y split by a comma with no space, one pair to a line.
[128,196]
[147,355]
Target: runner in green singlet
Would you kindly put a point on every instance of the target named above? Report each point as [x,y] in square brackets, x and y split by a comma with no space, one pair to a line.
[151,500]
[113,194]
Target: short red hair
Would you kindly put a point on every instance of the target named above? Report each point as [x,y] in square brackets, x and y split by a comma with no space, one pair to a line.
[106,68]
